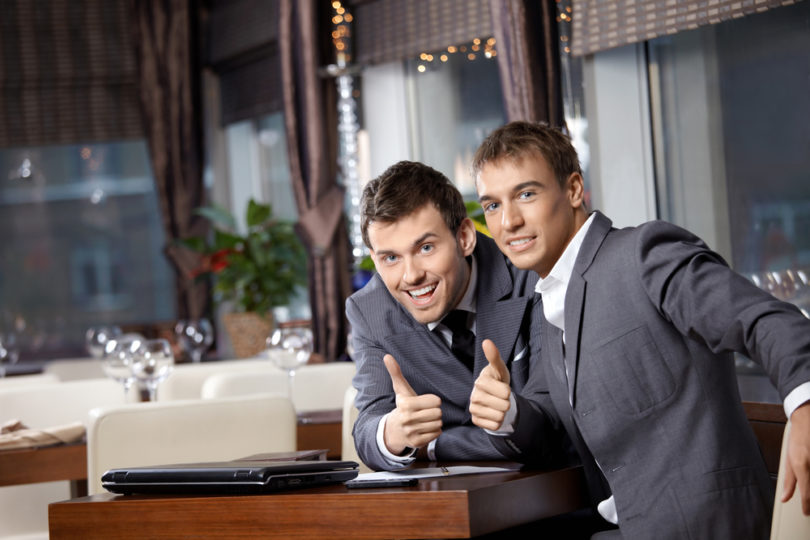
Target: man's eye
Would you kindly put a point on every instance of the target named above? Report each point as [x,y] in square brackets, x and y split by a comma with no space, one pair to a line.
[390,259]
[426,248]
[490,207]
[526,194]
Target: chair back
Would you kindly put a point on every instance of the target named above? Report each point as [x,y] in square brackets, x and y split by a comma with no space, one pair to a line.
[316,387]
[186,380]
[789,522]
[187,431]
[27,380]
[24,508]
[75,369]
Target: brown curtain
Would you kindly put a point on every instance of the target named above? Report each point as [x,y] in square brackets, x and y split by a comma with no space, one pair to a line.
[165,44]
[310,121]
[528,59]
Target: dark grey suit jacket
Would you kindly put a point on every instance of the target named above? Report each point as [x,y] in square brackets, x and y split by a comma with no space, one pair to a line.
[381,325]
[651,319]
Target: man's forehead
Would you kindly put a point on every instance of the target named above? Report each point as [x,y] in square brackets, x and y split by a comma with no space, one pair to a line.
[410,230]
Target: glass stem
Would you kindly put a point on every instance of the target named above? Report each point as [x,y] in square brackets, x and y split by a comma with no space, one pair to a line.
[290,384]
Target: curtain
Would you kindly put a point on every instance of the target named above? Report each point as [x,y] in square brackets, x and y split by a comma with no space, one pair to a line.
[528,59]
[311,128]
[165,44]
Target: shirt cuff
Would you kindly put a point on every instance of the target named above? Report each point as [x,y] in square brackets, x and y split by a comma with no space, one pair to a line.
[508,425]
[391,459]
[797,397]
[431,449]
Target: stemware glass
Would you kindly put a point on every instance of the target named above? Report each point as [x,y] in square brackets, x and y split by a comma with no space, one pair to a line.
[289,348]
[9,351]
[117,359]
[151,363]
[96,338]
[195,336]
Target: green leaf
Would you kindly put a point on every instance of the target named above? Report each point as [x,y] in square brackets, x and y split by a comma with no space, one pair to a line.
[257,213]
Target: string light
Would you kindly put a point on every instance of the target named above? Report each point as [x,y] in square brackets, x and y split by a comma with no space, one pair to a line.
[471,51]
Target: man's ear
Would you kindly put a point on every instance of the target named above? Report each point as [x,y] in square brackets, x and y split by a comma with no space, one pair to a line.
[465,236]
[576,190]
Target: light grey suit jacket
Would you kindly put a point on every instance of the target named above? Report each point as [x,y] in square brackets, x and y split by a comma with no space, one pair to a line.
[651,319]
[381,325]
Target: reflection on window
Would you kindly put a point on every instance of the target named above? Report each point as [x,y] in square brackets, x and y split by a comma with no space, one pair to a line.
[730,106]
[455,101]
[83,244]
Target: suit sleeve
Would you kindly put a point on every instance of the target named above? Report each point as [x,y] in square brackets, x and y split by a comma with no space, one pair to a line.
[539,437]
[375,393]
[694,288]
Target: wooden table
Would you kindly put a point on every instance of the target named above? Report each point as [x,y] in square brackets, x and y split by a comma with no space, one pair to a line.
[51,464]
[447,507]
[316,430]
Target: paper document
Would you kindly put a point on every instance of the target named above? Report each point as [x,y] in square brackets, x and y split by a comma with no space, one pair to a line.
[431,472]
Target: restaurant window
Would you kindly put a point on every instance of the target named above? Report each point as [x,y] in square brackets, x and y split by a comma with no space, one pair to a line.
[730,105]
[83,244]
[436,107]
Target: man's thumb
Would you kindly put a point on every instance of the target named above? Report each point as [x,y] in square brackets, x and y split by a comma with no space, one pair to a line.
[495,361]
[401,386]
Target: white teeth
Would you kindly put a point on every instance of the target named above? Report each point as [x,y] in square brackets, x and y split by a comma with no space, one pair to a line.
[423,290]
[519,242]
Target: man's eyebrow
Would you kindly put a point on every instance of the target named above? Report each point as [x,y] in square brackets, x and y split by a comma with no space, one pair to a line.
[518,188]
[416,243]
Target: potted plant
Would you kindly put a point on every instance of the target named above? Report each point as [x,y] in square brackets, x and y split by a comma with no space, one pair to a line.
[252,271]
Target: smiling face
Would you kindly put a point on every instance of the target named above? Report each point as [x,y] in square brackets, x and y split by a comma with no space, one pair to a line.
[531,217]
[422,262]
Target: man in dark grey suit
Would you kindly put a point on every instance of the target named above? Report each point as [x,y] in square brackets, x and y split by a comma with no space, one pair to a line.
[414,374]
[639,326]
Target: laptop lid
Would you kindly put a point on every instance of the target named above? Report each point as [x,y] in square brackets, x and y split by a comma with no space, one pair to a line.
[228,477]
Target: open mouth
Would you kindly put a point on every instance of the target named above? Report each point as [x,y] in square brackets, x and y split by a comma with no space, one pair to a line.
[519,244]
[423,294]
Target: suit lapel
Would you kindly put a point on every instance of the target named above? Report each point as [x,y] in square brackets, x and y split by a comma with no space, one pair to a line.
[575,298]
[499,315]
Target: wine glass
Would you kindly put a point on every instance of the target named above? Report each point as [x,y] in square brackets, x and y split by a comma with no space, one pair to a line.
[152,362]
[289,348]
[9,350]
[117,359]
[96,338]
[195,336]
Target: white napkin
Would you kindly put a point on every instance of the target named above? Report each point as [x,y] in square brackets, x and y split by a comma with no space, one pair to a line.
[15,434]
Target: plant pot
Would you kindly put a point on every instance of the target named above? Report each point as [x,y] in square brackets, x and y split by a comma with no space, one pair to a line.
[248,332]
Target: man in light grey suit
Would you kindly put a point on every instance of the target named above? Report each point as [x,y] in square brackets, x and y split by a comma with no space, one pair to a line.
[639,326]
[413,382]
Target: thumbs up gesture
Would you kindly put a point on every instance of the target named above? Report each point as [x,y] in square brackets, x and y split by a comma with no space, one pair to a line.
[489,400]
[416,420]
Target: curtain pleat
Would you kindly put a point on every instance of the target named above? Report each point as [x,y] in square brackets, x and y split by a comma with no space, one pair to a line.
[309,119]
[528,59]
[165,44]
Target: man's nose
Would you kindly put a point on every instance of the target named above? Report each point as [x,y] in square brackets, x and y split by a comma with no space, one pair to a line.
[413,271]
[511,218]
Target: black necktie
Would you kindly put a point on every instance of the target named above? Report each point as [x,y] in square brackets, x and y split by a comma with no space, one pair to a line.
[463,345]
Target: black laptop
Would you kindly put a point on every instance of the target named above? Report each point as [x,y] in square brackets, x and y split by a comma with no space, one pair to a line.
[241,477]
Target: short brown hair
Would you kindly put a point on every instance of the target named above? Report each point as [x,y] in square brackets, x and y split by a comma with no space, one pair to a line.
[516,140]
[404,188]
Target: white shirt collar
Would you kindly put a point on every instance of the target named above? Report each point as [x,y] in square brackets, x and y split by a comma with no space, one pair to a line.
[554,286]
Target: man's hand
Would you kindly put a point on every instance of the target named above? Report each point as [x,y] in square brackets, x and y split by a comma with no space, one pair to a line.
[417,420]
[489,400]
[797,466]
